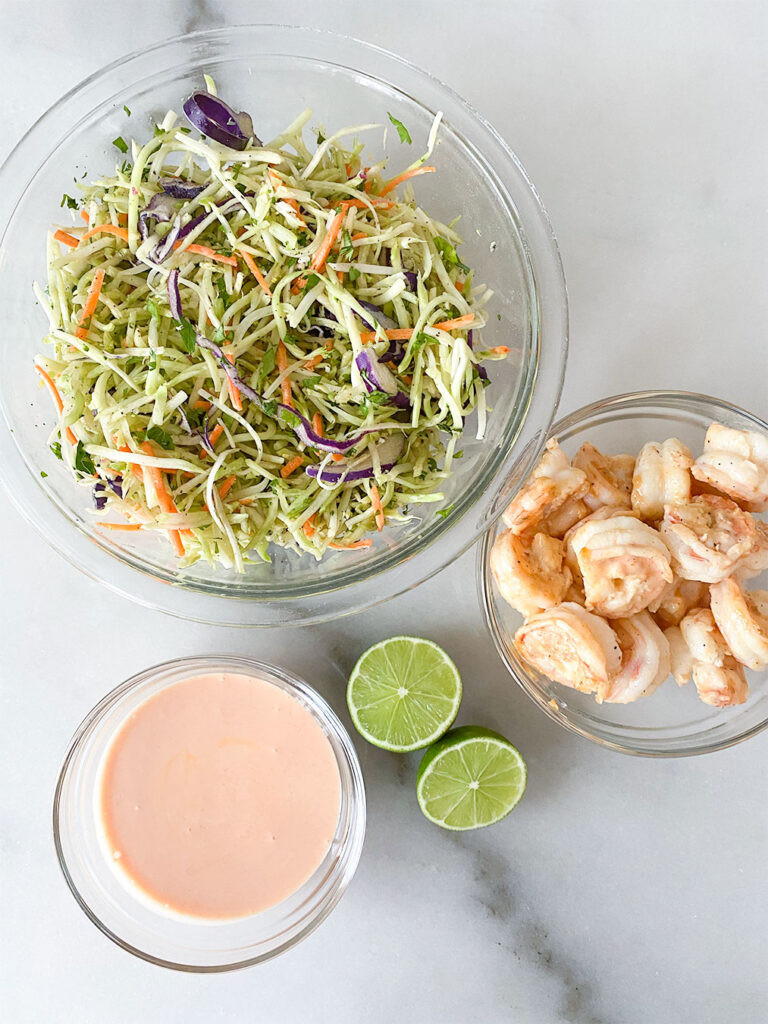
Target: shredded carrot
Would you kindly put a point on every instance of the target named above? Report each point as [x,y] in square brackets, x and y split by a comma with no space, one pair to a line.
[348,170]
[65,238]
[291,466]
[459,286]
[282,365]
[351,547]
[90,304]
[501,350]
[377,507]
[358,235]
[120,526]
[308,528]
[216,433]
[314,361]
[57,399]
[105,229]
[122,218]
[317,424]
[318,260]
[164,498]
[204,250]
[361,204]
[235,397]
[135,467]
[404,333]
[337,457]
[226,487]
[86,216]
[394,182]
[250,262]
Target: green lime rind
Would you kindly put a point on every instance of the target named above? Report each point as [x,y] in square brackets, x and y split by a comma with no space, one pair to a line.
[403,693]
[471,778]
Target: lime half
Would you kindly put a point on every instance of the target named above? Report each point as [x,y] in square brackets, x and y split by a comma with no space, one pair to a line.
[403,693]
[470,778]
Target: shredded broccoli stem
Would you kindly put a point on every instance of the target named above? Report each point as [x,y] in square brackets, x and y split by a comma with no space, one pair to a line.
[131,374]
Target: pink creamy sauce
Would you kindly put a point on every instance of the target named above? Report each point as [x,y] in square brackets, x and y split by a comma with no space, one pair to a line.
[220,796]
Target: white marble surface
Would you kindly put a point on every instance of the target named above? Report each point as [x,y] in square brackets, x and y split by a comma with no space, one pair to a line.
[621,891]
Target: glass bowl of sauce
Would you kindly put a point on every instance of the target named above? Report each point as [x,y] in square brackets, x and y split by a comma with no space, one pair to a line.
[210,813]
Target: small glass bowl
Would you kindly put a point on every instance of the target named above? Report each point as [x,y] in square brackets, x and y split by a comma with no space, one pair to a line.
[673,722]
[509,243]
[186,944]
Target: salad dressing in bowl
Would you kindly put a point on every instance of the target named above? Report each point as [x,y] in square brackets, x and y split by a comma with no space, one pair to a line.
[210,813]
[219,796]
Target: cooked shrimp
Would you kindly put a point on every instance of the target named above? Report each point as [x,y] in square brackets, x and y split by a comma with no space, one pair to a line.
[662,477]
[742,618]
[559,522]
[645,660]
[708,536]
[570,646]
[680,658]
[677,599]
[549,487]
[623,563]
[718,677]
[736,462]
[531,574]
[753,563]
[609,477]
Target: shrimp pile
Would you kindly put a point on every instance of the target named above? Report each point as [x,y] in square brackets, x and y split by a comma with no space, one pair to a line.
[630,570]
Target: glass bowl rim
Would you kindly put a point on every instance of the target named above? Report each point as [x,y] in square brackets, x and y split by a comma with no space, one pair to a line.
[616,403]
[399,569]
[348,859]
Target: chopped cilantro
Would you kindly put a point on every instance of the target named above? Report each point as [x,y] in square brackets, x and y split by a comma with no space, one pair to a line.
[220,335]
[224,295]
[188,334]
[354,273]
[127,111]
[69,202]
[402,131]
[270,407]
[155,433]
[126,167]
[120,143]
[43,474]
[445,512]
[56,449]
[267,362]
[158,131]
[347,250]
[152,309]
[312,381]
[459,454]
[449,254]
[432,464]
[320,138]
[83,461]
[378,397]
[184,131]
[311,282]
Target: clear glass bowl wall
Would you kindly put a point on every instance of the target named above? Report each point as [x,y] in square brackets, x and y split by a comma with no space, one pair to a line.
[673,722]
[508,241]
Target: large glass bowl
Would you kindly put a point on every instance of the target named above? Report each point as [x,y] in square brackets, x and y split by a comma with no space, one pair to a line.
[275,72]
[673,722]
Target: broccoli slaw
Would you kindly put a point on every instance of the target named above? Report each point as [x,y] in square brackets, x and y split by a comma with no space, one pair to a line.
[260,344]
